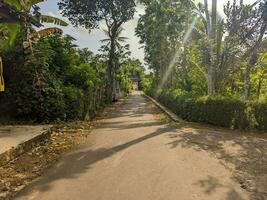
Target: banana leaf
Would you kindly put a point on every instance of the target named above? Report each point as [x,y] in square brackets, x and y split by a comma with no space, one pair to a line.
[45,32]
[53,20]
[12,30]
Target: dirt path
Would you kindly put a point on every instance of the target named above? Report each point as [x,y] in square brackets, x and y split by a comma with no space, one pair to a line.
[135,156]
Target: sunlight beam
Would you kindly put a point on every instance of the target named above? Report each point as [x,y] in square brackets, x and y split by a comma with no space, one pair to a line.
[176,56]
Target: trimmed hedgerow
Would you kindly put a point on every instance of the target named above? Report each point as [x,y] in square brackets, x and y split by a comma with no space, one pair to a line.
[216,110]
[259,109]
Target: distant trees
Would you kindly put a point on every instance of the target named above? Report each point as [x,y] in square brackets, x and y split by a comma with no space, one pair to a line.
[160,29]
[48,78]
[247,24]
[58,82]
[89,14]
[220,56]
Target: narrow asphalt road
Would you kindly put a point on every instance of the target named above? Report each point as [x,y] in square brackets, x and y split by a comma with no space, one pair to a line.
[135,156]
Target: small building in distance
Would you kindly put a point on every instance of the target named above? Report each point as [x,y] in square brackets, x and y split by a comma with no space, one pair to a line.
[136,82]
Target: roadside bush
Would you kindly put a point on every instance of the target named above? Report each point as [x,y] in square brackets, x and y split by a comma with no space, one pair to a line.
[74,105]
[49,84]
[54,81]
[37,94]
[215,110]
[259,110]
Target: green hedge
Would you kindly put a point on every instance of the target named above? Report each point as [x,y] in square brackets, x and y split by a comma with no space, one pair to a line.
[216,110]
[74,104]
[259,109]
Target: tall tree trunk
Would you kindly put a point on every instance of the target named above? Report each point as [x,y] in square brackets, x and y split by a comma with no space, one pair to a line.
[211,31]
[184,58]
[110,85]
[252,62]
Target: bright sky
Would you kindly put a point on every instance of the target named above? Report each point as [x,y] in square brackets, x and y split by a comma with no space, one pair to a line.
[92,40]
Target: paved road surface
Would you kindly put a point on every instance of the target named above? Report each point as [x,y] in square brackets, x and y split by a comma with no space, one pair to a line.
[12,136]
[134,156]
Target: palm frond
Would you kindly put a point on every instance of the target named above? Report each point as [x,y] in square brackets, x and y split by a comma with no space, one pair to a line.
[105,40]
[122,39]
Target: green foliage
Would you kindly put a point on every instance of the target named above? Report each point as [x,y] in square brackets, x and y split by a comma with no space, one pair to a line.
[37,94]
[57,82]
[230,63]
[131,69]
[147,83]
[45,105]
[52,83]
[114,14]
[10,32]
[73,99]
[90,13]
[160,29]
[259,109]
[216,110]
[16,3]
[224,56]
[53,20]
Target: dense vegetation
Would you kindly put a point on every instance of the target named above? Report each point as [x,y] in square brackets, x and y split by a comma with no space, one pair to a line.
[57,81]
[205,67]
[114,13]
[48,78]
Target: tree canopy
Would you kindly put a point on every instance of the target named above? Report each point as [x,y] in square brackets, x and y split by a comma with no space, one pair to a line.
[90,13]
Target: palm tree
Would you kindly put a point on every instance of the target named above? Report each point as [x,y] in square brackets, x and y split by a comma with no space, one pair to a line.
[115,49]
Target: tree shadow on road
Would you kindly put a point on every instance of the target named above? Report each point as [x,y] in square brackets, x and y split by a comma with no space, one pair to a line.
[134,125]
[244,154]
[247,155]
[74,164]
[211,184]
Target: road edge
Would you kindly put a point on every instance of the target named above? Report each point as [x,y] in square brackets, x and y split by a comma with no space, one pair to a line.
[23,147]
[169,113]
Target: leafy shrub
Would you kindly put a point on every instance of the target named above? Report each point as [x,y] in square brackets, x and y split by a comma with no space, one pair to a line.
[54,81]
[50,84]
[215,110]
[37,94]
[259,110]
[73,98]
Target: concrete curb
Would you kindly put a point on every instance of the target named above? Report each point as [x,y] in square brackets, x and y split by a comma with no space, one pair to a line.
[170,114]
[23,147]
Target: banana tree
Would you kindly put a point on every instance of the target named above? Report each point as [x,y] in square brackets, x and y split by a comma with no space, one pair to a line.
[115,52]
[22,12]
[10,18]
[27,6]
[17,13]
